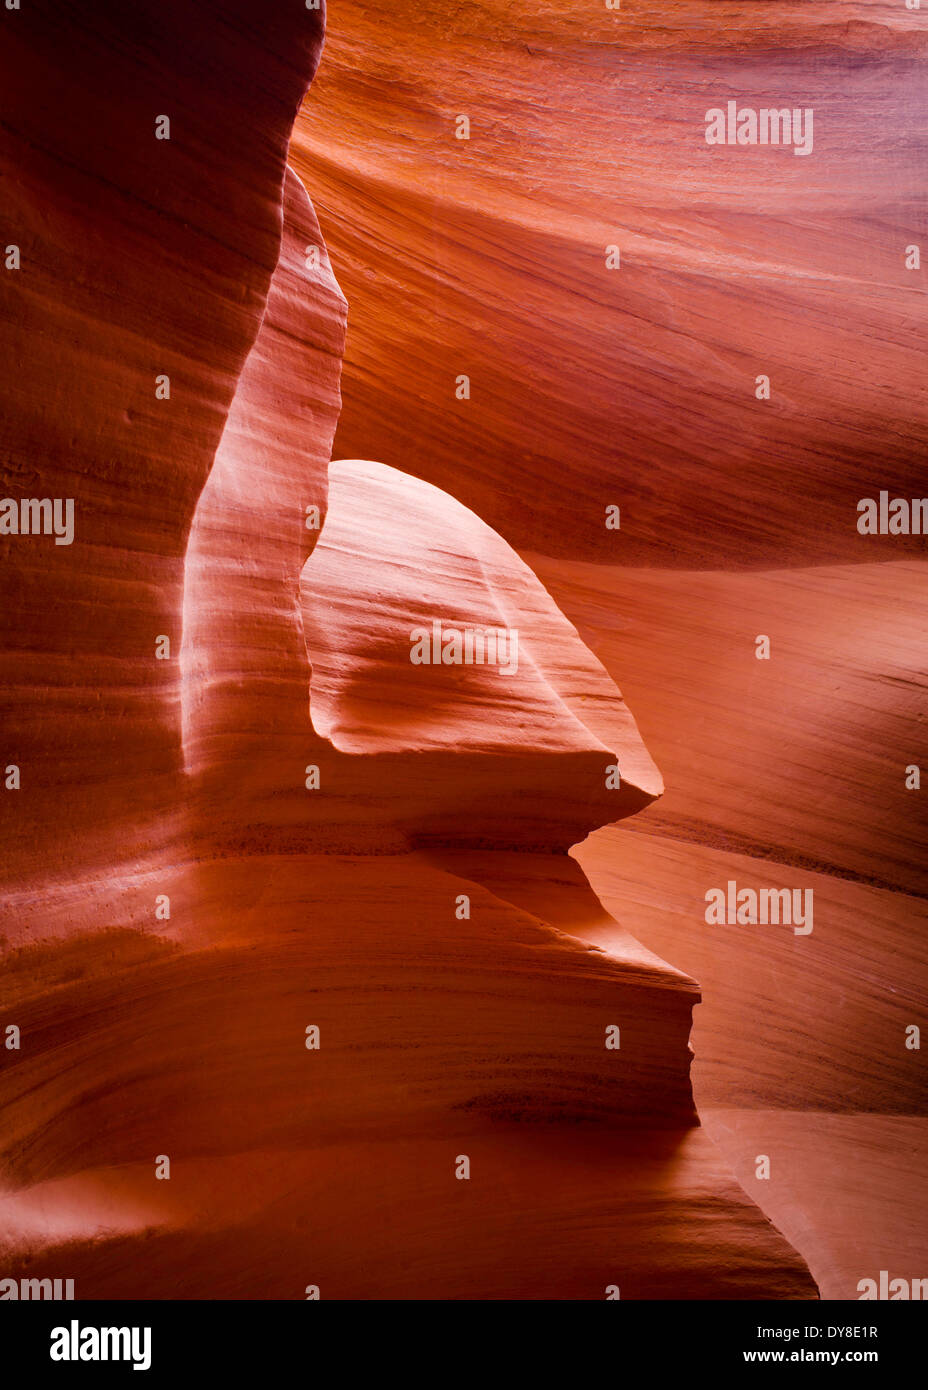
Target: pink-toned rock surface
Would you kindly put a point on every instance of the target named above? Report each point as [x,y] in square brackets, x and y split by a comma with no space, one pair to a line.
[449,1031]
[245,671]
[801,1040]
[140,258]
[635,387]
[178,916]
[439,1037]
[632,386]
[519,748]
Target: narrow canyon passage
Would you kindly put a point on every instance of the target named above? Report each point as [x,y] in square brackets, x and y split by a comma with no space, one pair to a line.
[449,612]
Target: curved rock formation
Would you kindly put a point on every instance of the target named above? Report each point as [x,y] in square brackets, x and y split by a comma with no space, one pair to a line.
[630,378]
[307,990]
[460,692]
[803,1044]
[144,266]
[333,1037]
[245,672]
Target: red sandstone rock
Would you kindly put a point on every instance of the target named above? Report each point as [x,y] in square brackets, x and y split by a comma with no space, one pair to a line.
[139,258]
[800,1043]
[632,386]
[338,908]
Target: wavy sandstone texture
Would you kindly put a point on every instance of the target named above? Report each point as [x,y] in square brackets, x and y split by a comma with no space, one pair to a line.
[446,1030]
[636,387]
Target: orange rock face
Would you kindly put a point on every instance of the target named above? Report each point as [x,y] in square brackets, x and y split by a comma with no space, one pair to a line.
[616,290]
[301,986]
[613,286]
[140,259]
